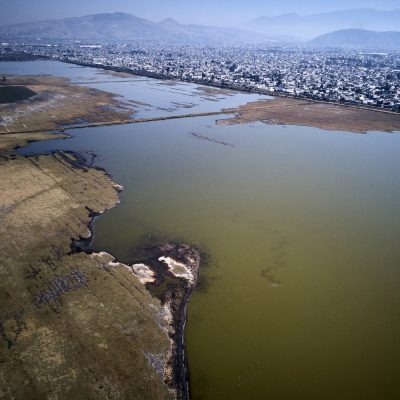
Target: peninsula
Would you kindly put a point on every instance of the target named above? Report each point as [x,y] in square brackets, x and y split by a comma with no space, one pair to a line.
[82,325]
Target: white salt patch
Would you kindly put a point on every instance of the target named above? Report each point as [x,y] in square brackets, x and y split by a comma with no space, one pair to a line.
[144,273]
[178,269]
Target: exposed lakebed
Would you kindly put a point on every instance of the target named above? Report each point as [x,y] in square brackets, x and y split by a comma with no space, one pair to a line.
[301,291]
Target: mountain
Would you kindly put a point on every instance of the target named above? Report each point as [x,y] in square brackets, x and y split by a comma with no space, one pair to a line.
[359,38]
[127,27]
[310,26]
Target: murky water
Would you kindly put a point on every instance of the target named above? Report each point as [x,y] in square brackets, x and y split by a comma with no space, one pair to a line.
[300,297]
[147,97]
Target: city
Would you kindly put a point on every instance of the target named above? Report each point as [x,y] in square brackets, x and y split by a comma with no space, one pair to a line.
[353,77]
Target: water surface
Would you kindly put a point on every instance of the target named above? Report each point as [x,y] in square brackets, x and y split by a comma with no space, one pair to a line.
[147,97]
[300,296]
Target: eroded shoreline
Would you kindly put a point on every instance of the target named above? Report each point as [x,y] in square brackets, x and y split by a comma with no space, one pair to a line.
[153,270]
[101,108]
[78,286]
[169,271]
[45,269]
[169,309]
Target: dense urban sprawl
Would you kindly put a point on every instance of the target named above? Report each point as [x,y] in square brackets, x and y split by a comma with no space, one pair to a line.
[347,76]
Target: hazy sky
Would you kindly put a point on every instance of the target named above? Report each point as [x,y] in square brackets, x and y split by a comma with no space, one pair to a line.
[210,12]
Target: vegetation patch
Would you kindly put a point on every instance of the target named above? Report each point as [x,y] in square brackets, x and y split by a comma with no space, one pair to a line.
[72,326]
[288,111]
[58,104]
[12,94]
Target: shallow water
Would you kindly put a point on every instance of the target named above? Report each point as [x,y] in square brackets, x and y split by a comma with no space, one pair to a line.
[300,296]
[147,97]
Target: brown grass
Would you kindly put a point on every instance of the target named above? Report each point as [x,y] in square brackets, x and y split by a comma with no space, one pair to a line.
[71,326]
[59,103]
[285,111]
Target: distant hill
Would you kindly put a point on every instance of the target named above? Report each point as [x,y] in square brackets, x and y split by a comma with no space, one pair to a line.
[127,27]
[310,26]
[359,38]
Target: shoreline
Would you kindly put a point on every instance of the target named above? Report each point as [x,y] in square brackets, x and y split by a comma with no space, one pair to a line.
[173,302]
[125,122]
[176,371]
[235,88]
[174,291]
[178,379]
[64,311]
[175,379]
[279,110]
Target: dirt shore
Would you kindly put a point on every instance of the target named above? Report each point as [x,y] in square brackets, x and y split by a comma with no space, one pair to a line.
[286,111]
[72,326]
[58,102]
[63,314]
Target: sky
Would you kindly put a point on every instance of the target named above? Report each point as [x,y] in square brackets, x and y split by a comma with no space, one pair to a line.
[206,12]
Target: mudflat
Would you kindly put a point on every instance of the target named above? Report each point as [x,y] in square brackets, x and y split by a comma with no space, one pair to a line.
[58,103]
[287,111]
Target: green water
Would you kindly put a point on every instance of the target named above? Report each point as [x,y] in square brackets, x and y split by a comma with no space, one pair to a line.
[323,219]
[300,296]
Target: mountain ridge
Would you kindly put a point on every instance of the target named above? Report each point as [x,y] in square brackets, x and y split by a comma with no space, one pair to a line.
[120,26]
[359,38]
[313,25]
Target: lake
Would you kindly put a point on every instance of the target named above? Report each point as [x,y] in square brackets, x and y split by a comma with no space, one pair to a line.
[300,294]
